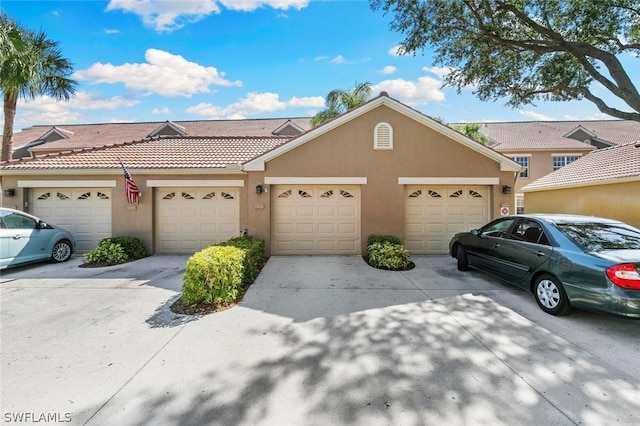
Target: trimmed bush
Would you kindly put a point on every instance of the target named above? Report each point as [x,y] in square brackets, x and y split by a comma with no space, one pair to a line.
[254,256]
[116,250]
[388,255]
[214,275]
[106,253]
[132,246]
[382,239]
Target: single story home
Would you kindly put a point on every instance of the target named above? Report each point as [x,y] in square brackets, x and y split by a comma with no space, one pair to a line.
[381,168]
[605,183]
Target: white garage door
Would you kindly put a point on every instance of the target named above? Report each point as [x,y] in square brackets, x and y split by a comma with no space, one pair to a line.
[190,219]
[433,214]
[315,219]
[86,212]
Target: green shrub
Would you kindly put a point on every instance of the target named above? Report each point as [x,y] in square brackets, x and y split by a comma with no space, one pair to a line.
[254,257]
[132,246]
[388,255]
[116,250]
[214,275]
[106,253]
[382,239]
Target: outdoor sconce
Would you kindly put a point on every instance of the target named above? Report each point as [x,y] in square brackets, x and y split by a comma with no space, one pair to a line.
[9,192]
[259,189]
[506,189]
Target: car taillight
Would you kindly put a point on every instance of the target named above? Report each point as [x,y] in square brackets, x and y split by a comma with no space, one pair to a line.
[625,275]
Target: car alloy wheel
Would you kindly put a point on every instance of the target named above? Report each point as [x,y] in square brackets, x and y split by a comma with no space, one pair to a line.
[61,251]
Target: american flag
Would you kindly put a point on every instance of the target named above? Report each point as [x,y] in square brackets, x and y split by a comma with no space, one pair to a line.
[130,186]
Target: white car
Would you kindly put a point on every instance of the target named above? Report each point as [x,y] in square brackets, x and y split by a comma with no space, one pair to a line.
[25,238]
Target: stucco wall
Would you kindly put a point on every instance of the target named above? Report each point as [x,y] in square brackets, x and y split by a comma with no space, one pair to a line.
[137,221]
[347,151]
[619,201]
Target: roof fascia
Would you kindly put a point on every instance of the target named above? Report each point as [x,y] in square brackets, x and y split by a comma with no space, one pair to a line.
[87,171]
[576,129]
[582,184]
[506,164]
[57,132]
[288,123]
[179,129]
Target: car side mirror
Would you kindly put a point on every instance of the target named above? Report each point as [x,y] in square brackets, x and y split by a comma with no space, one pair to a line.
[42,225]
[475,232]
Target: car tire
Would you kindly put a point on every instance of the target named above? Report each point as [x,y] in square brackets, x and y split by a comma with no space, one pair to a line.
[61,251]
[550,295]
[461,255]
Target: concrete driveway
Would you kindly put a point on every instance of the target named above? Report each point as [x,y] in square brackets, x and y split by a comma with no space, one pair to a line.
[316,340]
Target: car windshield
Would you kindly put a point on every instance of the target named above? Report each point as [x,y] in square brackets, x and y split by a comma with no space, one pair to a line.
[602,236]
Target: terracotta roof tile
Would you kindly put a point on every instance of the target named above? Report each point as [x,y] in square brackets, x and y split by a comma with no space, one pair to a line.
[608,164]
[523,135]
[91,135]
[162,153]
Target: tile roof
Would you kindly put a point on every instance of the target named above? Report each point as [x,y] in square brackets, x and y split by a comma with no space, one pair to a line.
[162,153]
[524,135]
[92,135]
[618,162]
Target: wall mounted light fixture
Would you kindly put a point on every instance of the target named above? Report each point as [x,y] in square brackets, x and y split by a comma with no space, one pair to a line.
[506,189]
[259,189]
[11,192]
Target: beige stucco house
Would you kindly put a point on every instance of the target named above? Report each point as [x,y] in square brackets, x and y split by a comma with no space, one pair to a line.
[381,168]
[603,183]
[542,147]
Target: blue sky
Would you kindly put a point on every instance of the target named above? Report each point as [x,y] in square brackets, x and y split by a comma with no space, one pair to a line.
[146,60]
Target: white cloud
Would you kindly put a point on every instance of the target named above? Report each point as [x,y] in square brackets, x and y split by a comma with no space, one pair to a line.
[111,31]
[254,103]
[164,111]
[536,116]
[163,74]
[166,15]
[172,15]
[389,69]
[48,110]
[320,58]
[397,51]
[338,60]
[439,71]
[425,89]
[251,5]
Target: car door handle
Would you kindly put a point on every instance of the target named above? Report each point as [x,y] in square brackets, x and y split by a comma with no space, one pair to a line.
[496,245]
[17,237]
[540,253]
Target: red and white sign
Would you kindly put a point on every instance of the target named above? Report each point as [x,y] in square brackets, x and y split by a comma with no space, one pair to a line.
[504,211]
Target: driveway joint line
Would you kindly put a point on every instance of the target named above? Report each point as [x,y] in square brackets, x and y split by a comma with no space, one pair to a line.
[134,375]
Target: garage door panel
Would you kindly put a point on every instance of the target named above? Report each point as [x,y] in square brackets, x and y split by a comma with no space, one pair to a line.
[86,212]
[326,228]
[433,214]
[190,219]
[316,219]
[304,228]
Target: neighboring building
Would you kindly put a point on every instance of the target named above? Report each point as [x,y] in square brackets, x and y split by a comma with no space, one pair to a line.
[38,140]
[381,168]
[603,183]
[544,146]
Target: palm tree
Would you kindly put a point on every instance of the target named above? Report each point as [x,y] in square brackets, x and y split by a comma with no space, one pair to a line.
[31,65]
[339,101]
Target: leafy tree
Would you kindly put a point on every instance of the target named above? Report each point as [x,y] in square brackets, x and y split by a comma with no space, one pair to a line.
[527,50]
[339,101]
[473,131]
[31,65]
